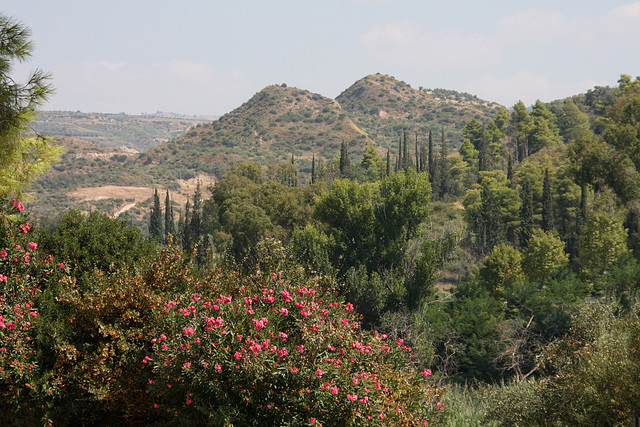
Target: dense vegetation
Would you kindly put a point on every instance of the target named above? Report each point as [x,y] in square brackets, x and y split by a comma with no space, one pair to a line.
[494,285]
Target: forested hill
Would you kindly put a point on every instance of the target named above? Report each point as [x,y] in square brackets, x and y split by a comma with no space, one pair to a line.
[280,121]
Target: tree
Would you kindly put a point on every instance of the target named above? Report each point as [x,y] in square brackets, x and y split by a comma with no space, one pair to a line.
[501,270]
[547,203]
[23,153]
[526,214]
[169,224]
[345,160]
[521,126]
[372,163]
[544,256]
[155,222]
[603,241]
[571,121]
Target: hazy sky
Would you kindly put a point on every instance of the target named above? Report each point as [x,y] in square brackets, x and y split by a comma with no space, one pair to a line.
[208,57]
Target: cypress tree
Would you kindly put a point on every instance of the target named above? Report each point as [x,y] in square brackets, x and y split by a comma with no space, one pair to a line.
[417,155]
[483,157]
[169,226]
[526,214]
[432,169]
[510,171]
[345,161]
[388,163]
[490,225]
[405,153]
[195,224]
[185,233]
[547,203]
[313,168]
[443,166]
[155,222]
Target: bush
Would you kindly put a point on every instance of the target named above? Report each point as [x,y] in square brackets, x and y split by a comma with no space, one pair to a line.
[278,348]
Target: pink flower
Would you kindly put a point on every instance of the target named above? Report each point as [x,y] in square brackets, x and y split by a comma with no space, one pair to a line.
[283,336]
[237,355]
[353,397]
[284,311]
[3,253]
[300,348]
[312,420]
[426,372]
[188,331]
[319,372]
[189,401]
[186,365]
[334,390]
[18,205]
[218,368]
[33,245]
[260,323]
[348,306]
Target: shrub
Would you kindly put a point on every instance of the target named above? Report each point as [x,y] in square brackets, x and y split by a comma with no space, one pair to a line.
[278,348]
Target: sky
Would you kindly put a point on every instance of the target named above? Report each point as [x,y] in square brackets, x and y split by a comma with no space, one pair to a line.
[207,57]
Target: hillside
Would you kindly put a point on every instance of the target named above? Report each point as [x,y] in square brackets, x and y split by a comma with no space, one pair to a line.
[384,107]
[139,133]
[89,177]
[273,124]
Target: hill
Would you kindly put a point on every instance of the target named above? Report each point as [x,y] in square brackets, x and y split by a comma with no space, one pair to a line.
[102,150]
[139,133]
[90,177]
[276,122]
[385,107]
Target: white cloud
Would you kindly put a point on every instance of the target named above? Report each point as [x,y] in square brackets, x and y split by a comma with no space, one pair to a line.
[176,86]
[528,87]
[407,44]
[623,20]
[536,26]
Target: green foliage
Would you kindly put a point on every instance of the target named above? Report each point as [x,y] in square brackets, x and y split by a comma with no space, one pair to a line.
[595,376]
[23,154]
[603,241]
[544,256]
[501,270]
[96,242]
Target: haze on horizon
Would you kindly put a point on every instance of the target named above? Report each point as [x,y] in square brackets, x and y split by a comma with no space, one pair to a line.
[202,57]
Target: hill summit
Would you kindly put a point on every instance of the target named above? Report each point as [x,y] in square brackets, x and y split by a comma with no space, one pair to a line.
[281,121]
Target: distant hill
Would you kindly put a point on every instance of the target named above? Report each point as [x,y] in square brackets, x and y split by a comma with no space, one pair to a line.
[385,107]
[139,133]
[276,122]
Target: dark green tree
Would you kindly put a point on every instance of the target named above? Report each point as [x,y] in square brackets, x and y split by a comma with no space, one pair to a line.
[345,160]
[169,221]
[432,160]
[526,214]
[547,203]
[155,222]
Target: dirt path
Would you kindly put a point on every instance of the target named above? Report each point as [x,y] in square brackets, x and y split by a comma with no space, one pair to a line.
[123,210]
